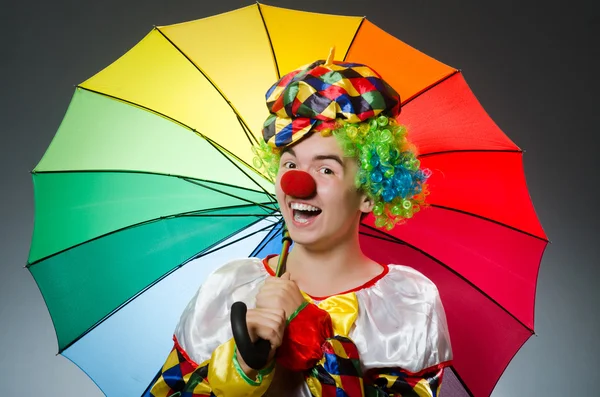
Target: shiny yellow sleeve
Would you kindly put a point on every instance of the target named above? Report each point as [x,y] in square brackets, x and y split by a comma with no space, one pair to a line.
[226,378]
[221,375]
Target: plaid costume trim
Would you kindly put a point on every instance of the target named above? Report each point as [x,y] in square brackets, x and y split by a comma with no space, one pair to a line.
[394,382]
[180,377]
[312,97]
[338,373]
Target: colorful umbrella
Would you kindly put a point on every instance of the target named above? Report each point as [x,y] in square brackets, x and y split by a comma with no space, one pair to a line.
[152,168]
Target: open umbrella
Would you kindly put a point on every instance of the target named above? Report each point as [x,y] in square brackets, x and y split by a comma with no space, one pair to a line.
[152,167]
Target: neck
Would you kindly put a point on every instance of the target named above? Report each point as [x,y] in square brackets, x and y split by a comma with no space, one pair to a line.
[325,272]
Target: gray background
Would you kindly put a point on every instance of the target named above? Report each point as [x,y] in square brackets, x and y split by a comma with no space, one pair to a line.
[532,66]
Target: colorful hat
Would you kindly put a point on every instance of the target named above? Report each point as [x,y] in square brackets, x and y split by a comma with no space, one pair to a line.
[312,97]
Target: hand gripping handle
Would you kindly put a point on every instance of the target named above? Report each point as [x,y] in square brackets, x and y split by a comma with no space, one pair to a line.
[254,354]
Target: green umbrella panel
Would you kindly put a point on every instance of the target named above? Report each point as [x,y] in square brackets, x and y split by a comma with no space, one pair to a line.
[124,196]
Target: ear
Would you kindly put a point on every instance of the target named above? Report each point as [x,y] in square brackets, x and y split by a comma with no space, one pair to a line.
[366,204]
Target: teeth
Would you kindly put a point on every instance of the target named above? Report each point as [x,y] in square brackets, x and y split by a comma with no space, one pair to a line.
[299,219]
[304,207]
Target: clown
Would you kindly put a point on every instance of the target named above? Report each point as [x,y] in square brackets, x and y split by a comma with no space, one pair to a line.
[338,323]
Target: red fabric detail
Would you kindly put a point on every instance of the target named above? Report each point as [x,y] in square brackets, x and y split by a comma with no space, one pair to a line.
[287,78]
[295,105]
[367,114]
[300,123]
[368,284]
[360,287]
[184,353]
[333,92]
[328,391]
[298,183]
[266,264]
[303,339]
[351,385]
[277,105]
[349,348]
[330,124]
[362,85]
[319,71]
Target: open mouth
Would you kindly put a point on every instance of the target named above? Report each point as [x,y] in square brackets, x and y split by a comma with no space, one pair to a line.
[304,213]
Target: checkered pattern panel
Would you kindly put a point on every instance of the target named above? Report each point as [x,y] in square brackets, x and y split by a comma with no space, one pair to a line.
[338,373]
[180,377]
[312,97]
[394,382]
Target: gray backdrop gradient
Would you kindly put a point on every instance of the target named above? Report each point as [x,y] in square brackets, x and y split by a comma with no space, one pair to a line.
[532,66]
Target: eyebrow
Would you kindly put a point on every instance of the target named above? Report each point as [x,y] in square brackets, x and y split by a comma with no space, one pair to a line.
[317,157]
[329,157]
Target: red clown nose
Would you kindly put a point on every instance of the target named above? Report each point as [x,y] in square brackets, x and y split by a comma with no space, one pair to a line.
[298,184]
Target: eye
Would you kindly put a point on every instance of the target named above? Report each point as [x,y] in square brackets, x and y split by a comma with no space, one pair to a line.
[289,165]
[326,171]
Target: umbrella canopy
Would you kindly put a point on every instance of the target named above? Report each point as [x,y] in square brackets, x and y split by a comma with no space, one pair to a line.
[152,167]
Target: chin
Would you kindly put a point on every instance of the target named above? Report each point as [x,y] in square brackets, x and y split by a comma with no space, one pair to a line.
[305,238]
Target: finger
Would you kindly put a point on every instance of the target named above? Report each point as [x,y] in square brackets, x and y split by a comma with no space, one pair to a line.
[276,300]
[285,276]
[276,314]
[267,326]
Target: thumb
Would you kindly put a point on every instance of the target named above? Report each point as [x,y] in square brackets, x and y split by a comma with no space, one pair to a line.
[285,276]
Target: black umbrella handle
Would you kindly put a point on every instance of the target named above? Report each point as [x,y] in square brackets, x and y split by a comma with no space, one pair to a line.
[254,354]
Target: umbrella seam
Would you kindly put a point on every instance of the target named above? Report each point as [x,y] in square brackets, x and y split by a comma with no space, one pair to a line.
[270,42]
[148,221]
[143,290]
[457,274]
[231,195]
[182,177]
[489,220]
[223,150]
[354,37]
[219,148]
[233,108]
[470,151]
[430,86]
[462,382]
[268,239]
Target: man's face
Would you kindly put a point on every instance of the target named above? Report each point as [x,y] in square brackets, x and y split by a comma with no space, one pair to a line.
[332,213]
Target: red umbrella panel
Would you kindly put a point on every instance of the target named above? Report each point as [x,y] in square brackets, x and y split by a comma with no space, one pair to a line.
[480,240]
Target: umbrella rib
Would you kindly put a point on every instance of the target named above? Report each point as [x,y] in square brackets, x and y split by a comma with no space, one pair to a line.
[507,364]
[221,149]
[131,299]
[270,42]
[182,214]
[240,118]
[183,125]
[218,147]
[184,178]
[489,220]
[418,93]
[354,37]
[229,194]
[138,106]
[204,253]
[455,273]
[249,136]
[470,151]
[462,382]
[268,239]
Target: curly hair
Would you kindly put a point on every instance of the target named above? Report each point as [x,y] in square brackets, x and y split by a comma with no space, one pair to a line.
[389,171]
